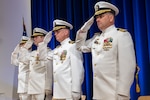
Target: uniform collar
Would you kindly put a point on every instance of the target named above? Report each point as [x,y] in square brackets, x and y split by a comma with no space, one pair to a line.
[108,29]
[65,41]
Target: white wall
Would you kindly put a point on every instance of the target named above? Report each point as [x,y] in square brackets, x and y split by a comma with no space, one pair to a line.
[11,29]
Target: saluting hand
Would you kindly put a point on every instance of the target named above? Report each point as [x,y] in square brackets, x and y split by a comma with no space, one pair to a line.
[87,24]
[28,44]
[48,37]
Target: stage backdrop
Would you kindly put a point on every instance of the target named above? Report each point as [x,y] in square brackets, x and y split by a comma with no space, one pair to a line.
[134,16]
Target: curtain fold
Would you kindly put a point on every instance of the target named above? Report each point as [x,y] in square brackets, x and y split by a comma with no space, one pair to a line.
[147,2]
[134,16]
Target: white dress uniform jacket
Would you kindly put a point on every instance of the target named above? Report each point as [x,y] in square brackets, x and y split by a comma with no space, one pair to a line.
[40,75]
[68,70]
[113,62]
[23,70]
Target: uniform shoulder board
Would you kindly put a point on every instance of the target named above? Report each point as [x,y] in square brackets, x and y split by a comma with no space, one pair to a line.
[58,46]
[121,29]
[48,48]
[71,42]
[97,33]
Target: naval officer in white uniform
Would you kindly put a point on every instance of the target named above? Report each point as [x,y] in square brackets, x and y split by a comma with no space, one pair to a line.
[113,54]
[68,70]
[23,70]
[40,74]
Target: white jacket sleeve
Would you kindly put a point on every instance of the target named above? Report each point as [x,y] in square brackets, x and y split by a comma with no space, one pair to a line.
[77,70]
[84,45]
[14,56]
[82,35]
[28,44]
[24,56]
[42,47]
[48,37]
[43,52]
[126,63]
[49,75]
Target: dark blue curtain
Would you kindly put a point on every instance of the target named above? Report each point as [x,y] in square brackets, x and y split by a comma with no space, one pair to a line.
[134,16]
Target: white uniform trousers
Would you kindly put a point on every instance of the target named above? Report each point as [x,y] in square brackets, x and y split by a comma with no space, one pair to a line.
[117,99]
[48,97]
[38,96]
[24,96]
[62,99]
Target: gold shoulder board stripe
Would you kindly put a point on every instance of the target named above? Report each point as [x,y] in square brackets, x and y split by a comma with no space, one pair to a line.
[71,42]
[121,29]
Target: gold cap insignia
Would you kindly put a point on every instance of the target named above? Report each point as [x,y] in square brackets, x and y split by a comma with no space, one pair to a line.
[96,8]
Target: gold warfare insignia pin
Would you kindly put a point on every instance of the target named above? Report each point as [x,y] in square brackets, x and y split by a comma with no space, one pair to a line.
[63,55]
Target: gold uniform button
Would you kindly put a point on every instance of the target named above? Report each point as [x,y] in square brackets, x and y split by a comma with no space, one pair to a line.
[95,74]
[94,64]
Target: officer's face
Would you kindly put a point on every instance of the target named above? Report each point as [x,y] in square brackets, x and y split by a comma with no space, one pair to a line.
[38,39]
[104,20]
[61,34]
